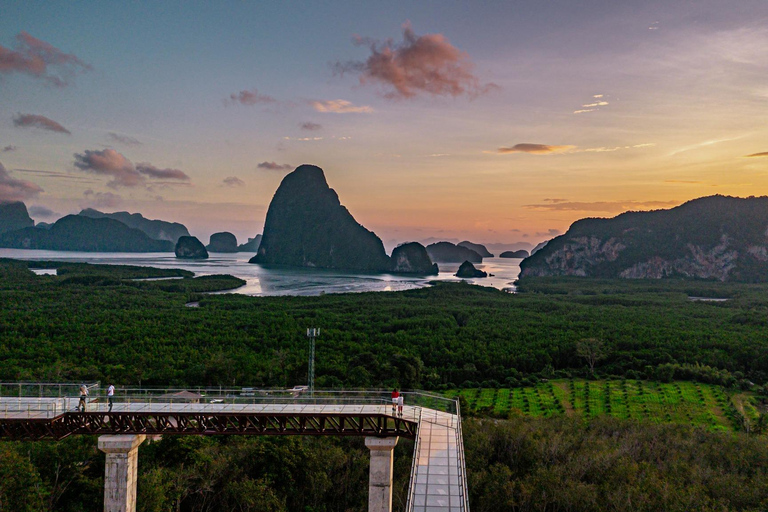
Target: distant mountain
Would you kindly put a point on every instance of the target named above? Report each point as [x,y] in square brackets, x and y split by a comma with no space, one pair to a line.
[514,254]
[446,252]
[80,233]
[306,226]
[478,248]
[252,245]
[716,237]
[539,246]
[14,216]
[222,242]
[157,229]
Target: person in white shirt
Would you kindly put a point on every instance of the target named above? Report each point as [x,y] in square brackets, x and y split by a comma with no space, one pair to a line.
[110,395]
[83,398]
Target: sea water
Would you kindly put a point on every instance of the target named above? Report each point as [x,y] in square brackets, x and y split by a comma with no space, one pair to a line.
[274,280]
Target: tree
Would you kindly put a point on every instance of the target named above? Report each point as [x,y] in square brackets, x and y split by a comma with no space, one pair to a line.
[592,350]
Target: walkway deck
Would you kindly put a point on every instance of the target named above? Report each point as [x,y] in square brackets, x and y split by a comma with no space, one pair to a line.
[438,479]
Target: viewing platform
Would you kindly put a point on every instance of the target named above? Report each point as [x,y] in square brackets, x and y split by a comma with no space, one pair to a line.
[37,411]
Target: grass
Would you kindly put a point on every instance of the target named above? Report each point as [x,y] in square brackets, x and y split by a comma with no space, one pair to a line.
[676,402]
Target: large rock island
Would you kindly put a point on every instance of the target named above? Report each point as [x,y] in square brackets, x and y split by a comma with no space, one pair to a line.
[157,229]
[222,242]
[478,248]
[190,248]
[412,258]
[78,233]
[306,226]
[717,237]
[446,252]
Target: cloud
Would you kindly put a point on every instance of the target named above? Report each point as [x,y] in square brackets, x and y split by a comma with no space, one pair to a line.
[757,155]
[272,166]
[12,190]
[340,107]
[419,64]
[124,139]
[109,162]
[41,211]
[233,181]
[555,200]
[36,121]
[705,144]
[8,148]
[582,111]
[164,174]
[595,104]
[40,60]
[535,149]
[249,98]
[101,199]
[309,125]
[57,175]
[602,206]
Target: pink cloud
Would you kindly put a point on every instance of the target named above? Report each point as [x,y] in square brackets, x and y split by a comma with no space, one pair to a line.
[233,181]
[37,121]
[12,190]
[39,59]
[419,64]
[340,107]
[249,98]
[166,174]
[273,166]
[108,162]
[124,139]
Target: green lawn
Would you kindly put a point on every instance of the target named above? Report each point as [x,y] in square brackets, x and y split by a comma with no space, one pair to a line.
[680,402]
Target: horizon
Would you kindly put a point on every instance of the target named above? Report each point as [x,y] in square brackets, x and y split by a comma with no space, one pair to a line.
[501,126]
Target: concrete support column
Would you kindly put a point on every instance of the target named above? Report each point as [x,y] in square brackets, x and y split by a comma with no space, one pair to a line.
[380,482]
[120,472]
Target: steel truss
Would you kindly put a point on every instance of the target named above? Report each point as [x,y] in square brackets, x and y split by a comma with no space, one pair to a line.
[196,423]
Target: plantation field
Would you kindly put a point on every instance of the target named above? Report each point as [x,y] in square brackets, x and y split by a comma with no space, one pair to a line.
[680,402]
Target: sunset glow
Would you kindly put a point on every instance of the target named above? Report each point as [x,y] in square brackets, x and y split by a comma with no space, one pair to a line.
[496,123]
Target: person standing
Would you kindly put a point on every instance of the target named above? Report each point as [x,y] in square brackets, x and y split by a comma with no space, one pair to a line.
[110,395]
[83,397]
[395,396]
[400,400]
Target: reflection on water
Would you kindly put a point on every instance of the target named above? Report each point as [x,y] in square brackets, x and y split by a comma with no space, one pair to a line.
[282,280]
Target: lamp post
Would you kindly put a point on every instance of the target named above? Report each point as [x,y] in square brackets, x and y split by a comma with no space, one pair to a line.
[312,334]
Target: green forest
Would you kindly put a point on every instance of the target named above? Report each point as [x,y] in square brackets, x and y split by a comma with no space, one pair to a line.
[579,394]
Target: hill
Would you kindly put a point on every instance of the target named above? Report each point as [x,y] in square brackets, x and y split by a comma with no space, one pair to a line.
[307,226]
[157,229]
[14,216]
[717,237]
[446,252]
[80,233]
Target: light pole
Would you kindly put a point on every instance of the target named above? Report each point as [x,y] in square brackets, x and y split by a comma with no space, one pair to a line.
[312,334]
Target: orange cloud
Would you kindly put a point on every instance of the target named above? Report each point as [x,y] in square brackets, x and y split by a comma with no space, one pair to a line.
[602,206]
[535,149]
[756,155]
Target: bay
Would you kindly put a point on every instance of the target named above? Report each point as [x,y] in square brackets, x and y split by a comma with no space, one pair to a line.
[274,280]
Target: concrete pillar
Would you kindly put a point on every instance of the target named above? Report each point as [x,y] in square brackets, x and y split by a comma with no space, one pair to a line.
[380,481]
[120,472]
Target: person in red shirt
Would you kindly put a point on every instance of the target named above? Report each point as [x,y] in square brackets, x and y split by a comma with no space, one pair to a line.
[395,396]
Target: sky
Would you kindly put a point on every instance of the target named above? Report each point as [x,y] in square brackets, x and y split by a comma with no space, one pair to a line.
[495,122]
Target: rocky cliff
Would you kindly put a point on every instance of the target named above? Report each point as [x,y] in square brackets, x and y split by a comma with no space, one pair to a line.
[467,270]
[716,237]
[222,242]
[14,216]
[252,245]
[78,233]
[478,248]
[157,229]
[446,252]
[190,248]
[522,253]
[412,258]
[306,226]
